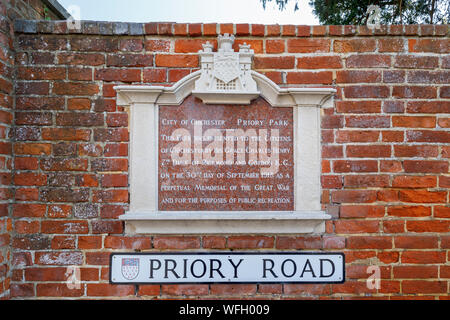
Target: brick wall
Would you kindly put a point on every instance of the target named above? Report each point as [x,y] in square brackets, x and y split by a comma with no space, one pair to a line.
[385,167]
[6,116]
[9,11]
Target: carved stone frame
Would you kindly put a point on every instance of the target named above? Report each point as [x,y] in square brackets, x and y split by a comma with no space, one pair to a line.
[143,216]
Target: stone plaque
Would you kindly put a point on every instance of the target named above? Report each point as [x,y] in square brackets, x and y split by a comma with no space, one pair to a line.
[225,157]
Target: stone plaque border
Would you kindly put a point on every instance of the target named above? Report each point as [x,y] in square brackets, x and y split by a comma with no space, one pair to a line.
[143,216]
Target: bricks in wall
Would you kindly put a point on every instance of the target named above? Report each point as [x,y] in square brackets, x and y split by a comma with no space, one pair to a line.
[385,154]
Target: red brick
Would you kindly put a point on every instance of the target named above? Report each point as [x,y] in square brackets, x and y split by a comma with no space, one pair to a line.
[89,242]
[416,242]
[63,242]
[155,75]
[414,182]
[149,290]
[444,122]
[321,77]
[66,227]
[428,107]
[195,29]
[391,45]
[355,135]
[361,211]
[246,242]
[108,165]
[415,272]
[366,91]
[285,62]
[165,28]
[392,136]
[26,227]
[319,62]
[353,196]
[372,242]
[414,92]
[233,289]
[41,73]
[30,179]
[75,89]
[180,29]
[58,290]
[115,180]
[355,166]
[376,181]
[111,135]
[393,226]
[107,226]
[286,242]
[123,75]
[151,28]
[303,31]
[162,242]
[256,45]
[131,45]
[273,30]
[191,45]
[242,29]
[308,45]
[429,45]
[59,258]
[428,136]
[226,28]
[425,166]
[356,76]
[78,119]
[34,88]
[356,226]
[367,121]
[409,211]
[355,45]
[116,150]
[109,196]
[25,163]
[423,287]
[55,164]
[210,29]
[424,151]
[179,60]
[368,61]
[319,30]
[331,182]
[109,290]
[275,46]
[422,196]
[313,289]
[129,60]
[135,243]
[29,210]
[185,290]
[416,62]
[82,59]
[214,242]
[178,74]
[59,211]
[373,151]
[428,226]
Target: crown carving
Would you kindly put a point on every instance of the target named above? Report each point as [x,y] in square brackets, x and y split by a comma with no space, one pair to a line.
[226,72]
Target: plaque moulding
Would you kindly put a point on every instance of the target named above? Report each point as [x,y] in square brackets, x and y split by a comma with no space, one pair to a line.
[225,78]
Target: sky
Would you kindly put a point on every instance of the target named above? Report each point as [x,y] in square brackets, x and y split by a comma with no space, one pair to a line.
[190,11]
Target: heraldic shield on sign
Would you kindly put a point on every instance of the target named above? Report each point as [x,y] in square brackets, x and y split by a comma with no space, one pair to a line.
[130,268]
[226,66]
